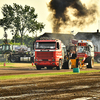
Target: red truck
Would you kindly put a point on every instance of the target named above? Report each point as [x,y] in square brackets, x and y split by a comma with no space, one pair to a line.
[49,53]
[85,53]
[97,54]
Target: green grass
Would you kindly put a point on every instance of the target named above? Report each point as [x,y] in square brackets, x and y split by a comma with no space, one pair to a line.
[42,75]
[10,65]
[7,67]
[2,63]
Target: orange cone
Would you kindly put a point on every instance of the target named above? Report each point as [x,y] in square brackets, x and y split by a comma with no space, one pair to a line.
[4,64]
[32,64]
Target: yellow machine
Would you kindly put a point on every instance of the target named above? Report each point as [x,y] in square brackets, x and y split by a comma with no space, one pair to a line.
[74,63]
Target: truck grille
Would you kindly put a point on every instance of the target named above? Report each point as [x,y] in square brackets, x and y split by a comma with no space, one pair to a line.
[44,55]
[44,59]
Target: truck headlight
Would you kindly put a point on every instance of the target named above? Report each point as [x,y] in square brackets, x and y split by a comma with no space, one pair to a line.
[49,59]
[36,59]
[40,59]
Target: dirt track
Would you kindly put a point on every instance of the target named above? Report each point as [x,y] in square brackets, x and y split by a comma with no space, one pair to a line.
[27,68]
[63,87]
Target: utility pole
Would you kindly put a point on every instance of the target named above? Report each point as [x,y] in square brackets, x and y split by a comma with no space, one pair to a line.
[5,40]
[13,33]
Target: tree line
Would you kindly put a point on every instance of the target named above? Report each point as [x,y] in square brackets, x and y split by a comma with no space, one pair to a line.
[27,40]
[20,20]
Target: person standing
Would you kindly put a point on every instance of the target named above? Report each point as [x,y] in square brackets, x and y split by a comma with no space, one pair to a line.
[74,55]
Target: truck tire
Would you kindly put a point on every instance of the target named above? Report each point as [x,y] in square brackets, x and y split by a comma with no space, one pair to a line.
[98,59]
[38,67]
[68,64]
[64,65]
[90,62]
[60,65]
[13,59]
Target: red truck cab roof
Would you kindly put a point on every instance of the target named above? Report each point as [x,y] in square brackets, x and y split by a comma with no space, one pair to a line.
[47,40]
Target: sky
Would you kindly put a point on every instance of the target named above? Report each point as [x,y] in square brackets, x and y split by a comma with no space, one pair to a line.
[43,14]
[40,9]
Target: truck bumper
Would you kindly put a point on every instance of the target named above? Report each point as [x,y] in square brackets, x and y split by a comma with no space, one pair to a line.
[39,63]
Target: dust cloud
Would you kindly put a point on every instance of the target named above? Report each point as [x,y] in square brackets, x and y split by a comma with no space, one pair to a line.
[66,14]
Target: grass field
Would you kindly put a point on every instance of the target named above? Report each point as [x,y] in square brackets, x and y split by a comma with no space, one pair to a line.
[12,65]
[42,75]
[2,63]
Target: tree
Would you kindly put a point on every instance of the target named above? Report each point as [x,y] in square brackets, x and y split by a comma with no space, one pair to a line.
[20,19]
[16,39]
[28,41]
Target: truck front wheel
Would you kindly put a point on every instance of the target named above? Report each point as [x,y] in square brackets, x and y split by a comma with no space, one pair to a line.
[90,62]
[13,59]
[60,65]
[69,64]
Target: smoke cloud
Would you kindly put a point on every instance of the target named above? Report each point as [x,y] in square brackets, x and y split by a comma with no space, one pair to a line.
[71,13]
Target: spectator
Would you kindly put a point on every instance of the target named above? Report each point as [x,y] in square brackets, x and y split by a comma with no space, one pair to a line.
[70,54]
[74,55]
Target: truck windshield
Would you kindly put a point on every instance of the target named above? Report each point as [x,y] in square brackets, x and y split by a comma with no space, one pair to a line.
[3,47]
[45,45]
[81,49]
[7,47]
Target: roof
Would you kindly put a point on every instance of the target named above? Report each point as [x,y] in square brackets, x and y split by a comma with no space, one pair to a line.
[65,38]
[87,35]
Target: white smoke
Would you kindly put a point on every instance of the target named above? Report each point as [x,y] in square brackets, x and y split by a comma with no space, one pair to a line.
[96,42]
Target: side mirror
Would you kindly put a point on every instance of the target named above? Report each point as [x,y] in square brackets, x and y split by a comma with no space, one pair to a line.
[57,45]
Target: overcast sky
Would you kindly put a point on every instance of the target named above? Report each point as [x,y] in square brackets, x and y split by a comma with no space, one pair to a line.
[43,13]
[40,8]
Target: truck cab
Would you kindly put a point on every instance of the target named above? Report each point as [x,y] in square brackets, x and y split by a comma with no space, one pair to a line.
[5,49]
[85,52]
[49,53]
